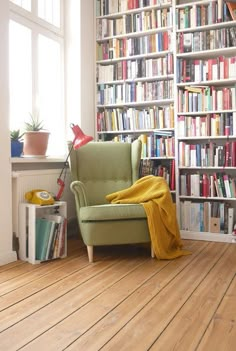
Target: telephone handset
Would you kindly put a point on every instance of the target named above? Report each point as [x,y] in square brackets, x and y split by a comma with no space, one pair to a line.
[39,197]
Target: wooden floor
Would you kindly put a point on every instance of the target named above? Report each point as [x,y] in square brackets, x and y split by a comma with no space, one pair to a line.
[123,301]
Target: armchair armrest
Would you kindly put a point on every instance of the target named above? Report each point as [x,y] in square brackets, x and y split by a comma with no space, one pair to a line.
[78,188]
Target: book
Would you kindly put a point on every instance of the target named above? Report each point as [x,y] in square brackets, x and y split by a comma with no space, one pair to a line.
[226,218]
[56,221]
[220,11]
[227,186]
[195,223]
[230,220]
[187,207]
[187,43]
[232,9]
[62,239]
[51,234]
[194,89]
[206,216]
[195,184]
[59,244]
[222,217]
[232,32]
[43,230]
[38,239]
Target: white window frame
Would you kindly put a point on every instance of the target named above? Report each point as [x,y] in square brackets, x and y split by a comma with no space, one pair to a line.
[39,26]
[32,16]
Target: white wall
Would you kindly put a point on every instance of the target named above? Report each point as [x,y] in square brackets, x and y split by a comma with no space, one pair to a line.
[87,55]
[80,64]
[80,102]
[6,253]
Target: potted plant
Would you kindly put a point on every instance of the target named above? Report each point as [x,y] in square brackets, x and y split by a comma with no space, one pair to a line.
[35,138]
[16,143]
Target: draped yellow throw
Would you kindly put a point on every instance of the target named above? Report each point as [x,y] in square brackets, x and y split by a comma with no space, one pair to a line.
[154,194]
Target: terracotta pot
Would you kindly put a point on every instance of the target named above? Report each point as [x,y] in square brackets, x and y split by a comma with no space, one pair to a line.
[35,143]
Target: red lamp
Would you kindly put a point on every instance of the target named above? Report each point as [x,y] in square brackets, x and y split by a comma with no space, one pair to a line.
[80,139]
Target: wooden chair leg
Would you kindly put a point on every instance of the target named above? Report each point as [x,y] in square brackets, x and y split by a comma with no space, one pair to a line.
[152,252]
[90,253]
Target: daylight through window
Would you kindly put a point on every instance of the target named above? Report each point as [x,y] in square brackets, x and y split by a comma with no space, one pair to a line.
[36,67]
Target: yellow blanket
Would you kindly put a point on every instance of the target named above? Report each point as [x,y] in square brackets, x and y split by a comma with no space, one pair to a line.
[154,194]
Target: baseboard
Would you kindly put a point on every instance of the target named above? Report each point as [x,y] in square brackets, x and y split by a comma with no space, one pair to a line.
[7,257]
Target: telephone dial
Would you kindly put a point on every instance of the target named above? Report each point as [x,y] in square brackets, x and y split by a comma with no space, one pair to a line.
[39,197]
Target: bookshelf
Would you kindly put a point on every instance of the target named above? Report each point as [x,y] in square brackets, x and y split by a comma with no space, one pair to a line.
[166,73]
[135,79]
[42,232]
[206,119]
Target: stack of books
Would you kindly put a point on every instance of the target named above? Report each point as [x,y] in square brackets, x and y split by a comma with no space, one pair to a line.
[50,237]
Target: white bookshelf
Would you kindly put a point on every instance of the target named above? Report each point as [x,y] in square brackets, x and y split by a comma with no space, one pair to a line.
[28,213]
[146,34]
[195,24]
[216,140]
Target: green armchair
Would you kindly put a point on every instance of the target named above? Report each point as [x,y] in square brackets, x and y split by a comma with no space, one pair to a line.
[98,169]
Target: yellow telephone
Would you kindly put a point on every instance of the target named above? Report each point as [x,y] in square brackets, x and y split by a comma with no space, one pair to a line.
[39,197]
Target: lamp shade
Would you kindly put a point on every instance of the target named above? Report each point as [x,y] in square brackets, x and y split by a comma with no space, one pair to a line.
[80,138]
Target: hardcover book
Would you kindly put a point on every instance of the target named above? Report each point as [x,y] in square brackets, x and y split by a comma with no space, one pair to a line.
[232,9]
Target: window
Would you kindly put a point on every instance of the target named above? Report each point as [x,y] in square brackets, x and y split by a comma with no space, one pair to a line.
[25,4]
[37,66]
[49,11]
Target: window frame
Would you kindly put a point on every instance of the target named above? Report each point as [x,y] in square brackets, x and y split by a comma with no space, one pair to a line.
[39,26]
[32,16]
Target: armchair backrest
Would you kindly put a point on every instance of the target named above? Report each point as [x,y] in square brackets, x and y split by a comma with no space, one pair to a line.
[105,167]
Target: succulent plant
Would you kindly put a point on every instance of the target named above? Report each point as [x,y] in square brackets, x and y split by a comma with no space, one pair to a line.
[34,125]
[16,135]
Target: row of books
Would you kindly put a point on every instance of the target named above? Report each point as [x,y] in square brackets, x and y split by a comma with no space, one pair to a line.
[191,16]
[106,7]
[213,217]
[208,98]
[156,146]
[157,168]
[126,47]
[205,40]
[212,124]
[133,119]
[120,138]
[208,185]
[139,68]
[196,70]
[134,22]
[207,154]
[159,144]
[50,237]
[134,92]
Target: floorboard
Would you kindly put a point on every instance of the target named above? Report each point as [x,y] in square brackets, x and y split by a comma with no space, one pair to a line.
[123,301]
[221,333]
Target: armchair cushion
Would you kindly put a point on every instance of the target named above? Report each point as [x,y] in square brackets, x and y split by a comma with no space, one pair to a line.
[112,212]
[105,167]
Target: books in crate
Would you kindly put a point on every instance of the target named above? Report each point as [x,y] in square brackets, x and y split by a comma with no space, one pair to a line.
[50,237]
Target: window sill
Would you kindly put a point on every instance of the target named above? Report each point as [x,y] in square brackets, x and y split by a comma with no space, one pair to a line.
[34,163]
[48,159]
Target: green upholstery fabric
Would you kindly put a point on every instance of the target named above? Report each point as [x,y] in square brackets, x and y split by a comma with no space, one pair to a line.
[112,212]
[105,167]
[98,169]
[115,233]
